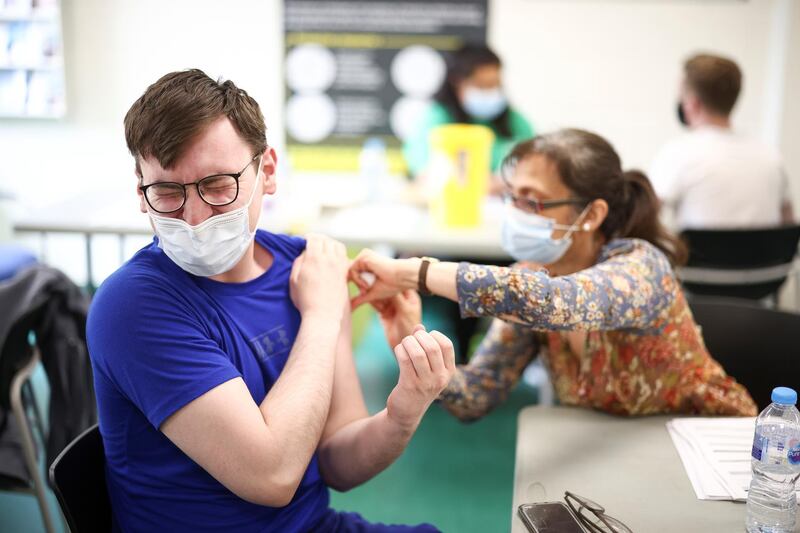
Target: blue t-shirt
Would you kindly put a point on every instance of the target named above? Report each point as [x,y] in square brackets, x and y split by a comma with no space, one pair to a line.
[159,338]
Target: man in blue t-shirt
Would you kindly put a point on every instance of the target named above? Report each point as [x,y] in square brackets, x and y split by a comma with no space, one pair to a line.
[227,394]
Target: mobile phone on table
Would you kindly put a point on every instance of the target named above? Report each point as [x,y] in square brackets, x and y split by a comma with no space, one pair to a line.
[549,517]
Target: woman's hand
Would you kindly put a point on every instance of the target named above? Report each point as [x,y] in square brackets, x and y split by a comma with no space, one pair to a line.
[380,278]
[399,314]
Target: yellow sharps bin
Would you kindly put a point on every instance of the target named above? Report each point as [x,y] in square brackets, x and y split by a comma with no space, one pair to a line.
[459,171]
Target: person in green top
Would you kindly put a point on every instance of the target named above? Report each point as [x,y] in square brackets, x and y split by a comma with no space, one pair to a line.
[470,94]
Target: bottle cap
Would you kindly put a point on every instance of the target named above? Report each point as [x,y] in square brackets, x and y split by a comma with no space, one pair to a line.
[784,395]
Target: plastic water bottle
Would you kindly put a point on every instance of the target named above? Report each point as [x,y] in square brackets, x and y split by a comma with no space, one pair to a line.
[373,166]
[771,501]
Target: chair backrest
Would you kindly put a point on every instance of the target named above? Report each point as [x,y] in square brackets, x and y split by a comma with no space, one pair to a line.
[739,263]
[757,346]
[79,480]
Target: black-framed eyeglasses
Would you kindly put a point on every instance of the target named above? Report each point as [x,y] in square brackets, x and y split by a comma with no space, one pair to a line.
[593,515]
[217,190]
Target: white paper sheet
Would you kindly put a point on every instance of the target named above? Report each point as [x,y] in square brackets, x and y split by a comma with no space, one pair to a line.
[706,487]
[716,455]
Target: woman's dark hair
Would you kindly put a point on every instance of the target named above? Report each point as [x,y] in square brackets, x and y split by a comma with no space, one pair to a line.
[590,167]
[461,64]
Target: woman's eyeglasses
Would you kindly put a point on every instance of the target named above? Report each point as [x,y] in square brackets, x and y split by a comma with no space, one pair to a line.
[593,515]
[531,205]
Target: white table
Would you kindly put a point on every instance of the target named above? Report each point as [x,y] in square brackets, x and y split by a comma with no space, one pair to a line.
[627,465]
[410,229]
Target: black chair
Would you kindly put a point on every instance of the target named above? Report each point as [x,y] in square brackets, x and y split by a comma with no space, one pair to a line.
[755,345]
[739,263]
[78,477]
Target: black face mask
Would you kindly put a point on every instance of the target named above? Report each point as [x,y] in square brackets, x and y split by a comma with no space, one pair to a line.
[682,115]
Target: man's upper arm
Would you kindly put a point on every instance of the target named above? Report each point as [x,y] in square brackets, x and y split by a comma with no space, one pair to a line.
[224,432]
[347,400]
[155,348]
[159,355]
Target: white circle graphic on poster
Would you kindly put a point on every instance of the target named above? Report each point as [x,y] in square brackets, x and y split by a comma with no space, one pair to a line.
[310,118]
[418,71]
[406,114]
[310,68]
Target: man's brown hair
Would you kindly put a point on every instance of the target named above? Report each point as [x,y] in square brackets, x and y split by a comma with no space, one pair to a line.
[715,80]
[176,108]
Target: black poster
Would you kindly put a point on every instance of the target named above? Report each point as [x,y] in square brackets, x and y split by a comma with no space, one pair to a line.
[356,70]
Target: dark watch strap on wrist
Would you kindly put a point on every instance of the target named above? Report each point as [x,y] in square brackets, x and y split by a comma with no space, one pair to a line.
[422,285]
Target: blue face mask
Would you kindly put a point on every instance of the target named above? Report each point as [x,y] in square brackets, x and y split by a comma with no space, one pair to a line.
[484,104]
[529,237]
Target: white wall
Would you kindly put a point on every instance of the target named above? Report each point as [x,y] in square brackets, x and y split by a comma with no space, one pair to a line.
[790,134]
[114,49]
[614,66]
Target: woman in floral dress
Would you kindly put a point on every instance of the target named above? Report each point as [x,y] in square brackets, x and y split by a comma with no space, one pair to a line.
[594,294]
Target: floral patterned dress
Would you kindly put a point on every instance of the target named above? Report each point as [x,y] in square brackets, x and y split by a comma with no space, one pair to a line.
[618,337]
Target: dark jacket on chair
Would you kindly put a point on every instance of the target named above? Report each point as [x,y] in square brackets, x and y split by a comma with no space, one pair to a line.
[43,300]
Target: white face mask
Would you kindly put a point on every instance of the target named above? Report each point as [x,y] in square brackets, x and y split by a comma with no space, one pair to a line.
[529,237]
[211,247]
[484,104]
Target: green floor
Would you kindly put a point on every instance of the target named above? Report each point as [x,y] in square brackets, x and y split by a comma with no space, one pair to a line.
[458,477]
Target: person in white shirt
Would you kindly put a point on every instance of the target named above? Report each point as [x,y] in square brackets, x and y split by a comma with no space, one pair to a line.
[712,177]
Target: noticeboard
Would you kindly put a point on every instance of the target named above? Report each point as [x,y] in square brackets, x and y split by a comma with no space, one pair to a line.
[356,70]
